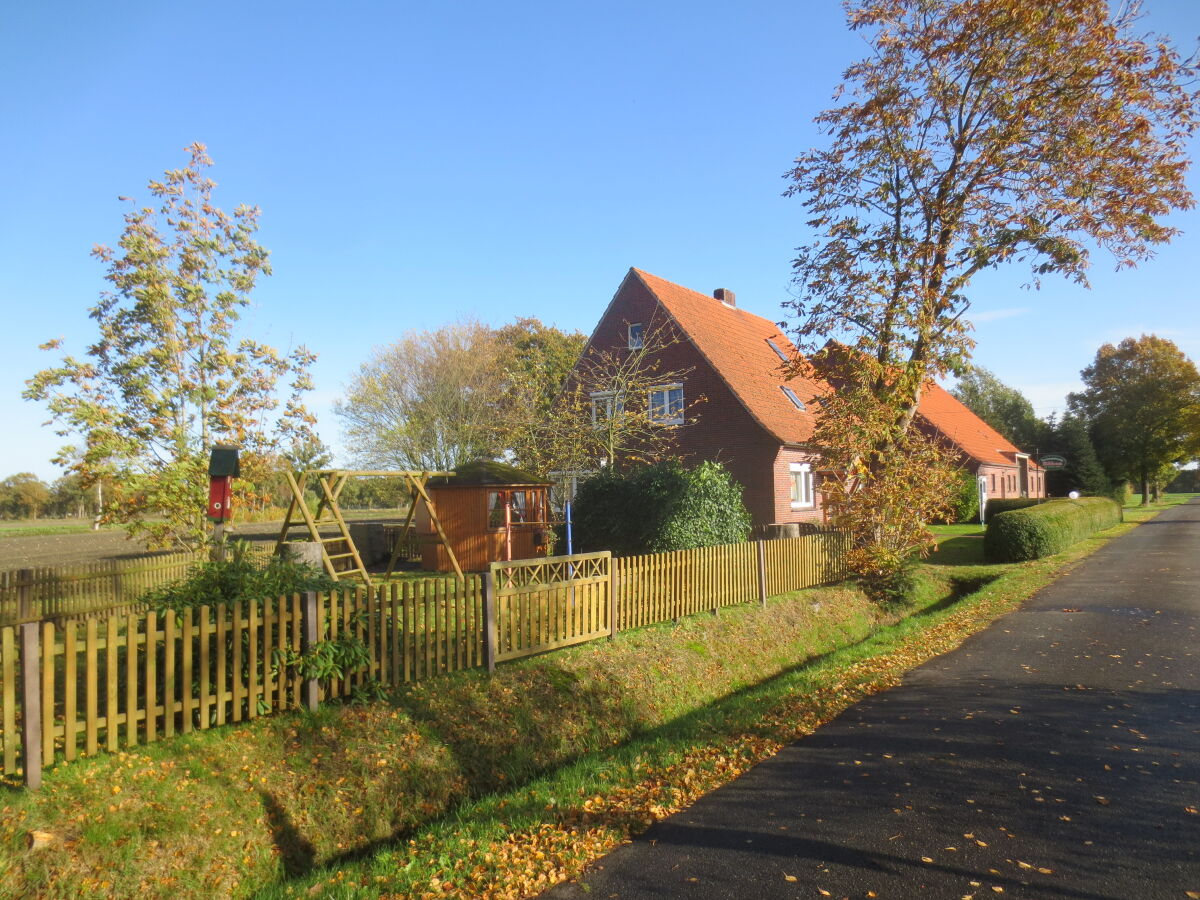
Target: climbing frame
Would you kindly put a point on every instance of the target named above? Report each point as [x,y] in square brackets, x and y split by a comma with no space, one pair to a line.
[329,484]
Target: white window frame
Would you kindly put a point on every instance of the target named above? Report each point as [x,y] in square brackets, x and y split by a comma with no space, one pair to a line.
[637,339]
[668,410]
[801,478]
[606,405]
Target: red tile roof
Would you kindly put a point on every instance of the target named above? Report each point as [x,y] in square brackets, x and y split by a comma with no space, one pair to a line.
[975,437]
[735,343]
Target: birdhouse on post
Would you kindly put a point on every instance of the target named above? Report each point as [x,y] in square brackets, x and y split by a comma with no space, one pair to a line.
[222,469]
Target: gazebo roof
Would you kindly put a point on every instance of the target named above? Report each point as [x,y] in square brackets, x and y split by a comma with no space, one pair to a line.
[488,472]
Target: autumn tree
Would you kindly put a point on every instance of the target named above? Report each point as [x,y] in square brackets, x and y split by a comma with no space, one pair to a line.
[534,364]
[23,496]
[1004,408]
[169,374]
[974,134]
[617,409]
[423,401]
[1141,401]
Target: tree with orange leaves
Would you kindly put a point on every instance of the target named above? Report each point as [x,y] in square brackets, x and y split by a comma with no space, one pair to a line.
[977,133]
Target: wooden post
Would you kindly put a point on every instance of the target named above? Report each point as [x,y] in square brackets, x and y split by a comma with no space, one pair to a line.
[762,572]
[612,601]
[24,594]
[490,634]
[31,704]
[310,692]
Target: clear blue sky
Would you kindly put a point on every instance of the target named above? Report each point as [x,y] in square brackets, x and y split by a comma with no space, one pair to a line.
[419,163]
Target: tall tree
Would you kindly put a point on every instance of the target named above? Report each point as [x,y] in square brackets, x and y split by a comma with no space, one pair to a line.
[1083,472]
[424,401]
[977,132]
[23,496]
[169,375]
[1141,400]
[1004,408]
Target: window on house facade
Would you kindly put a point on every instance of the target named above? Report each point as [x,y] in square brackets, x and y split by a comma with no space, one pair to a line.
[993,482]
[606,405]
[778,350]
[802,485]
[666,404]
[791,395]
[636,332]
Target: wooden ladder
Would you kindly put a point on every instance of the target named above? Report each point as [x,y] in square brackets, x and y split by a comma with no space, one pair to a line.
[330,485]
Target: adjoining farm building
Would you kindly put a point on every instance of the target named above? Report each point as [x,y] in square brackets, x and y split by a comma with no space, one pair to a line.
[756,421]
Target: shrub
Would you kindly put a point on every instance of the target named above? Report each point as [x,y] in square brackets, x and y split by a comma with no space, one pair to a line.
[964,507]
[1031,533]
[659,508]
[996,506]
[238,577]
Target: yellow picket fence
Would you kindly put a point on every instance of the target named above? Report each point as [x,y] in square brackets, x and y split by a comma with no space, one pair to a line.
[121,680]
[661,586]
[45,591]
[71,687]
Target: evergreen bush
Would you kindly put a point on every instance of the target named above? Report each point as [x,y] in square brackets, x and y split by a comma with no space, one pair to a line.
[1036,531]
[659,508]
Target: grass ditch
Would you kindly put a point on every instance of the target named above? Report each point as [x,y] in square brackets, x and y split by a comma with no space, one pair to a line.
[472,786]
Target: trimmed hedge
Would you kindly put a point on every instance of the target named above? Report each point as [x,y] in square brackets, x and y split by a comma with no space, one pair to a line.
[1036,531]
[994,507]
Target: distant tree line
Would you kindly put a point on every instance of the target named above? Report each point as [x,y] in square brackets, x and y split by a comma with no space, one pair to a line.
[1137,420]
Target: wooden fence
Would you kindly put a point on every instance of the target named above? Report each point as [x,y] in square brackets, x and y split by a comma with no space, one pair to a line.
[46,592]
[75,687]
[535,605]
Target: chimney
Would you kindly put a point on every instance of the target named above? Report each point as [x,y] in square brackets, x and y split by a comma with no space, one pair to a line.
[726,296]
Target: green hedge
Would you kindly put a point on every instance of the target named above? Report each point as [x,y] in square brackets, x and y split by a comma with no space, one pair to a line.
[998,505]
[659,508]
[1037,531]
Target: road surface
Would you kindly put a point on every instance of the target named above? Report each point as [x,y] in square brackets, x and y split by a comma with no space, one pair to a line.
[1055,755]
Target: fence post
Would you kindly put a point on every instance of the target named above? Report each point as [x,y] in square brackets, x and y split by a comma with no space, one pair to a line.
[761,549]
[24,594]
[489,620]
[612,601]
[31,703]
[309,636]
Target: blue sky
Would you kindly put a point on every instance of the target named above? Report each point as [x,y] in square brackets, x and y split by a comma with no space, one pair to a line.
[420,163]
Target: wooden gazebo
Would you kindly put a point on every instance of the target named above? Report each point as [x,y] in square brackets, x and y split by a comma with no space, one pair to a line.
[489,511]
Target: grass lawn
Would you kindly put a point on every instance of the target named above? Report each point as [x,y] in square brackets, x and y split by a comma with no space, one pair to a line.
[470,786]
[37,527]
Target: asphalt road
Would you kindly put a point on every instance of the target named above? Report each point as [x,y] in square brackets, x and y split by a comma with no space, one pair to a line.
[1056,755]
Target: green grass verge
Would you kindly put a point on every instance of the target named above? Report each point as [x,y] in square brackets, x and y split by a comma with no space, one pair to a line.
[473,786]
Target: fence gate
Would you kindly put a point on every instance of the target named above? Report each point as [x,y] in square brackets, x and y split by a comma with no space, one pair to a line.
[540,604]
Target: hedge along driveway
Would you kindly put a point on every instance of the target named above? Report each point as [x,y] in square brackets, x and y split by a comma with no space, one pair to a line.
[1048,528]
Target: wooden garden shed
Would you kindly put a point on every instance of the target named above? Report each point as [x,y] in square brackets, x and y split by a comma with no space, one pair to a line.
[489,511]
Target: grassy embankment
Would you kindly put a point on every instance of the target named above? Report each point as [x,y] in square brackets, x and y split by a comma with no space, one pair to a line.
[471,786]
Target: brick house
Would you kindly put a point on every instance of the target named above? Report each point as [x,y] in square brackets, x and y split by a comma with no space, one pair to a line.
[753,420]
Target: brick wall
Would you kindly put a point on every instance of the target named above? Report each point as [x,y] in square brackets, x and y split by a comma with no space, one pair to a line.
[723,430]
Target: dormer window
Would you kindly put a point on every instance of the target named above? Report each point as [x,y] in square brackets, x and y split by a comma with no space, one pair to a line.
[791,395]
[778,350]
[636,330]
